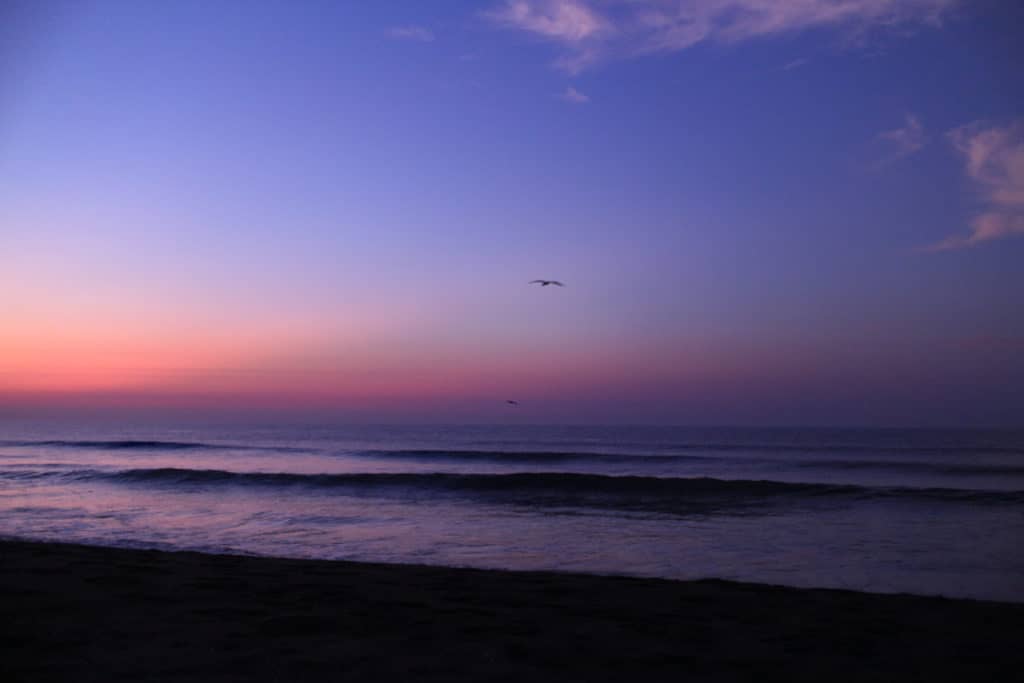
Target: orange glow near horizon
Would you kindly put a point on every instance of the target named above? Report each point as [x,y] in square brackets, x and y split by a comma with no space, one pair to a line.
[362,367]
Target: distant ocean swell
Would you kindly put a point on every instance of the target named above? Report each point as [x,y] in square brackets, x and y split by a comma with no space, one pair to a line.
[771,447]
[773,453]
[527,456]
[136,445]
[535,488]
[514,457]
[680,450]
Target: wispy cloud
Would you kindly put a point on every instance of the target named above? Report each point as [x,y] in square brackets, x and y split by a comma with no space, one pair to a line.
[574,96]
[570,21]
[904,141]
[794,64]
[574,23]
[591,31]
[994,158]
[412,32]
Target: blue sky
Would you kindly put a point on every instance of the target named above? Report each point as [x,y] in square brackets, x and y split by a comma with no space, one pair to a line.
[762,210]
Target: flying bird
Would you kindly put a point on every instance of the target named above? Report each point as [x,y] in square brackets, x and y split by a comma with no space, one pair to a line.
[545,283]
[512,403]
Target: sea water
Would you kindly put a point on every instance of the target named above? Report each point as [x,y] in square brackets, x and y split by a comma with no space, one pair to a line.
[927,512]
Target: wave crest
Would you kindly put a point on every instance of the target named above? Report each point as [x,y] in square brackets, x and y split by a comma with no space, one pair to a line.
[545,488]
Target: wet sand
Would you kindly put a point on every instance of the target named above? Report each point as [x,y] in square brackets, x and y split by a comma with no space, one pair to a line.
[76,613]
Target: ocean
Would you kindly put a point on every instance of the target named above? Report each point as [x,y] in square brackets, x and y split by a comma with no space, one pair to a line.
[917,511]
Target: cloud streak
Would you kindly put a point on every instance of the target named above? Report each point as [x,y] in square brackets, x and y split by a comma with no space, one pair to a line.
[592,31]
[903,141]
[421,34]
[994,161]
[574,96]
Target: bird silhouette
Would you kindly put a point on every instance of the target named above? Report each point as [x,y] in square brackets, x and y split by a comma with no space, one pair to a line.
[512,403]
[545,283]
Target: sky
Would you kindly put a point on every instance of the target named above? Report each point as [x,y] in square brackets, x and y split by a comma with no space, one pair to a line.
[798,212]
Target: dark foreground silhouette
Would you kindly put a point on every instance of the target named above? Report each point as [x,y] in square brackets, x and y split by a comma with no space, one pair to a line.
[74,613]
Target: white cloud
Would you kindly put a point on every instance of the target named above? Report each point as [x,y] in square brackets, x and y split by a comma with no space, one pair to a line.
[574,96]
[411,32]
[591,31]
[904,141]
[994,158]
[571,21]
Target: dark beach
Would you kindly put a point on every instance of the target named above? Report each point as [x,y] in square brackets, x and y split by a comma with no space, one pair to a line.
[70,612]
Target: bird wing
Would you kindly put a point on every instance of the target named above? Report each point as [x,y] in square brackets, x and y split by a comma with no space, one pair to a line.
[556,282]
[533,281]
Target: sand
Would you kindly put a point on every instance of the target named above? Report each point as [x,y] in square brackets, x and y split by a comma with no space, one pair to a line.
[76,613]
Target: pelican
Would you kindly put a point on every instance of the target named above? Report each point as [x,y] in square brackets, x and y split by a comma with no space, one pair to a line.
[545,283]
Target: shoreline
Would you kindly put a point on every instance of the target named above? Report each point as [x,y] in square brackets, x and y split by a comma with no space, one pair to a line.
[73,612]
